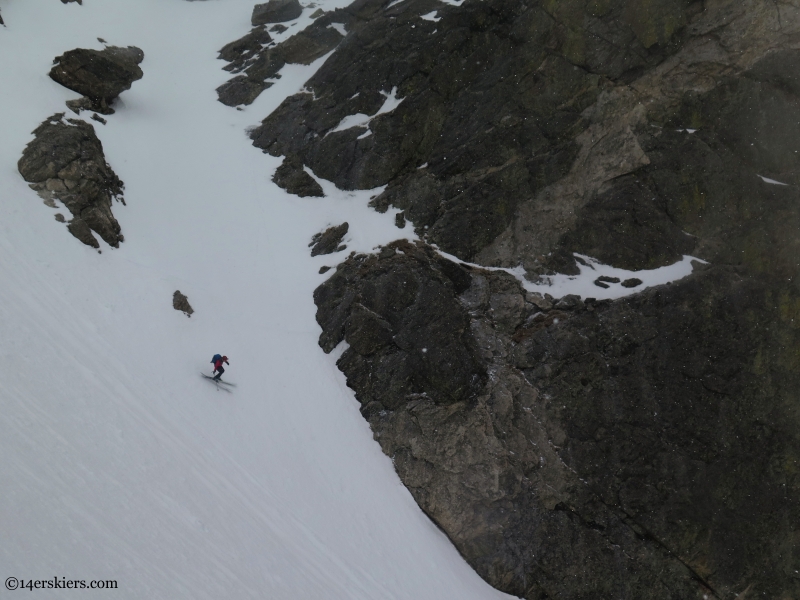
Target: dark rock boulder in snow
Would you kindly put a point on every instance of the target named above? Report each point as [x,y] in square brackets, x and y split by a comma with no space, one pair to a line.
[249,55]
[291,177]
[276,11]
[329,241]
[68,1]
[65,161]
[181,302]
[100,75]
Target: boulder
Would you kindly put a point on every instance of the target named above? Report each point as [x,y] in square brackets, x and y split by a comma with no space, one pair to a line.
[276,11]
[100,75]
[65,162]
[181,302]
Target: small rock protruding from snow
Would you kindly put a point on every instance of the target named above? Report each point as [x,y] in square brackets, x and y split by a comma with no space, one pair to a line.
[328,241]
[181,302]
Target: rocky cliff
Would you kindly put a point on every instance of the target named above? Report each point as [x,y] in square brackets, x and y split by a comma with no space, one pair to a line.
[645,447]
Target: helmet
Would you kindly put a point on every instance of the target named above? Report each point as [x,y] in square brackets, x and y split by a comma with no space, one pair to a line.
[224,358]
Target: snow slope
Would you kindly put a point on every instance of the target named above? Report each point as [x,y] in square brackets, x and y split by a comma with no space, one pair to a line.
[119,461]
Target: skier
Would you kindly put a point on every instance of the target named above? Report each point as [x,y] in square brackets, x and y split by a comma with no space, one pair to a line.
[218,360]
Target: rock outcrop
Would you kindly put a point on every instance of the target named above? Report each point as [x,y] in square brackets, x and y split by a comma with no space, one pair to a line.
[65,162]
[627,449]
[257,62]
[100,75]
[640,448]
[291,177]
[276,11]
[329,241]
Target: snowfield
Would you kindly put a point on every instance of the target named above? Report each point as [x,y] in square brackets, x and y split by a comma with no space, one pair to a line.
[118,460]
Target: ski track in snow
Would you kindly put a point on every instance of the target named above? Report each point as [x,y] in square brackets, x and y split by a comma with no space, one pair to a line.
[119,461]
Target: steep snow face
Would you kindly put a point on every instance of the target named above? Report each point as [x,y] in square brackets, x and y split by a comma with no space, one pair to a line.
[119,461]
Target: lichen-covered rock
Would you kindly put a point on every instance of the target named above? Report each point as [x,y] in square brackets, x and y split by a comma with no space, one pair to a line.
[276,11]
[65,161]
[181,302]
[100,75]
[291,177]
[329,241]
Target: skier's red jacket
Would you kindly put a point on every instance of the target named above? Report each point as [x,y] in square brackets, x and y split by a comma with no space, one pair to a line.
[218,364]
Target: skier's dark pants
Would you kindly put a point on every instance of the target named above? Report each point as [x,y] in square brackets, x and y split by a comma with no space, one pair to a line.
[219,373]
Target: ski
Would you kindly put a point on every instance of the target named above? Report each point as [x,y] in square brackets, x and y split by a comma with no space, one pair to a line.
[217,382]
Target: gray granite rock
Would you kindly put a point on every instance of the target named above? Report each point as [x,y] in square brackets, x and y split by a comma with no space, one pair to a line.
[65,161]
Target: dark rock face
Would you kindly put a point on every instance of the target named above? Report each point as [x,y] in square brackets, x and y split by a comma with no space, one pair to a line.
[65,161]
[276,11]
[408,335]
[257,63]
[100,75]
[241,90]
[247,47]
[329,241]
[496,93]
[291,177]
[181,302]
[630,449]
[640,448]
